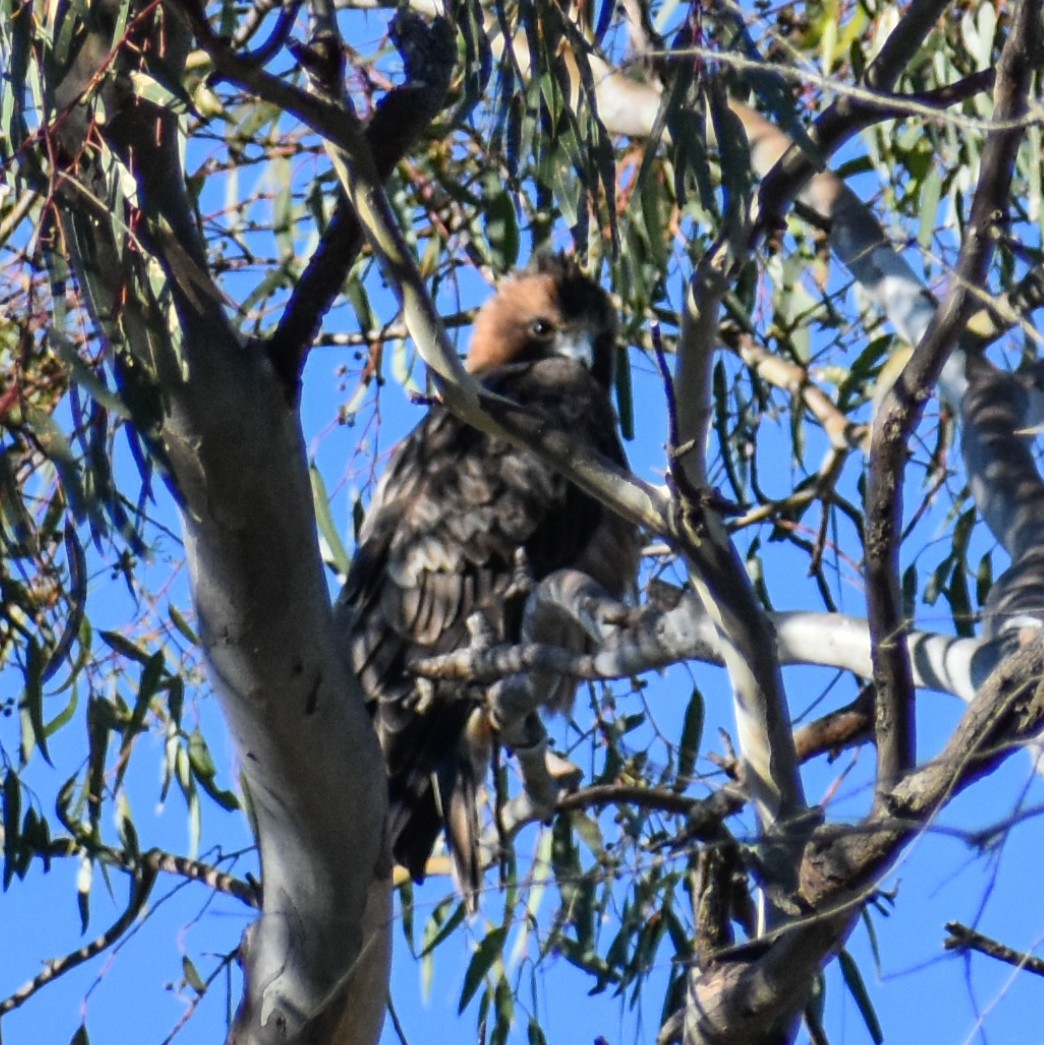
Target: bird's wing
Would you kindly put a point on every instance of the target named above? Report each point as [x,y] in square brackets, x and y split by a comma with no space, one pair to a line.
[437,545]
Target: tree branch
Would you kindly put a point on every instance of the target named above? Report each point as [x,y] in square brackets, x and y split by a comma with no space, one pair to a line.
[904,404]
[962,938]
[1007,487]
[850,113]
[429,58]
[673,628]
[234,446]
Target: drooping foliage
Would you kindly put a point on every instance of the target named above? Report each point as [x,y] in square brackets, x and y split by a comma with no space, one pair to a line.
[613,132]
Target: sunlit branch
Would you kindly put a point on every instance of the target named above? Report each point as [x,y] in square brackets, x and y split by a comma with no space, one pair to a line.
[1005,481]
[770,769]
[354,163]
[154,860]
[659,635]
[843,433]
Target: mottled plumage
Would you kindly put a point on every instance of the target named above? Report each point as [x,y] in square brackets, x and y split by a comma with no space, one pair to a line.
[440,537]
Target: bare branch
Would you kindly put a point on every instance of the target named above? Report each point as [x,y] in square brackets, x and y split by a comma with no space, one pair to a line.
[905,402]
[1006,714]
[429,57]
[662,633]
[851,112]
[962,938]
[1007,488]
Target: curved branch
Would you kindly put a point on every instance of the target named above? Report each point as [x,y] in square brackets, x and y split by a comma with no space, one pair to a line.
[904,404]
[429,58]
[1007,487]
[850,113]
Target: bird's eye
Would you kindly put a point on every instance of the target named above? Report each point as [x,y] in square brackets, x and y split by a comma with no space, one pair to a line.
[542,328]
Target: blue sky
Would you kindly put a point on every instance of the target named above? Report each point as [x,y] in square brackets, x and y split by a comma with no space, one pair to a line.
[921,994]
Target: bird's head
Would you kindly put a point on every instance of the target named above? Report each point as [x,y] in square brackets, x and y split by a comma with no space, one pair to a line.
[551,309]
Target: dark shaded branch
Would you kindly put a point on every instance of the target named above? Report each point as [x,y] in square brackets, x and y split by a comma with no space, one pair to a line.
[904,405]
[962,938]
[743,997]
[705,814]
[849,114]
[842,861]
[279,36]
[852,724]
[429,57]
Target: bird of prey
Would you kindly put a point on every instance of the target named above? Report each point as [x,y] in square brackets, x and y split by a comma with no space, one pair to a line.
[439,544]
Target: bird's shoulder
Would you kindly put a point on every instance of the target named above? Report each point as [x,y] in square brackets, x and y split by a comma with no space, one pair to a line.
[454,504]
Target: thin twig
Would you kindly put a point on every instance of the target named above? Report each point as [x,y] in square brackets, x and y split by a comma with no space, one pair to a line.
[59,966]
[962,938]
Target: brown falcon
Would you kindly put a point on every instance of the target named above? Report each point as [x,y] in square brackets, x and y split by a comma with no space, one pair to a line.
[439,544]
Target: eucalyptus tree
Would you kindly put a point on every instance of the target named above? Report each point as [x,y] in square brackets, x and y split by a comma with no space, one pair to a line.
[205,209]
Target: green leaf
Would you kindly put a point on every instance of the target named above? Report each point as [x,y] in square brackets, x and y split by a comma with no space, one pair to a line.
[127,831]
[187,784]
[959,597]
[16,525]
[77,601]
[857,988]
[909,591]
[588,960]
[84,878]
[504,1008]
[436,931]
[205,771]
[875,950]
[183,626]
[12,801]
[534,1033]
[406,914]
[192,976]
[501,227]
[101,720]
[692,735]
[335,551]
[487,952]
[115,641]
[680,938]
[587,829]
[478,54]
[85,376]
[64,717]
[984,579]
[51,441]
[35,841]
[30,707]
[148,685]
[816,1005]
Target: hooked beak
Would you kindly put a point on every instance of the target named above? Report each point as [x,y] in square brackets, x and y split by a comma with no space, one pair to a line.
[576,344]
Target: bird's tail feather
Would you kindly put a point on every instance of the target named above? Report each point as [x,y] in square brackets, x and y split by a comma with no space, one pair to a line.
[457,797]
